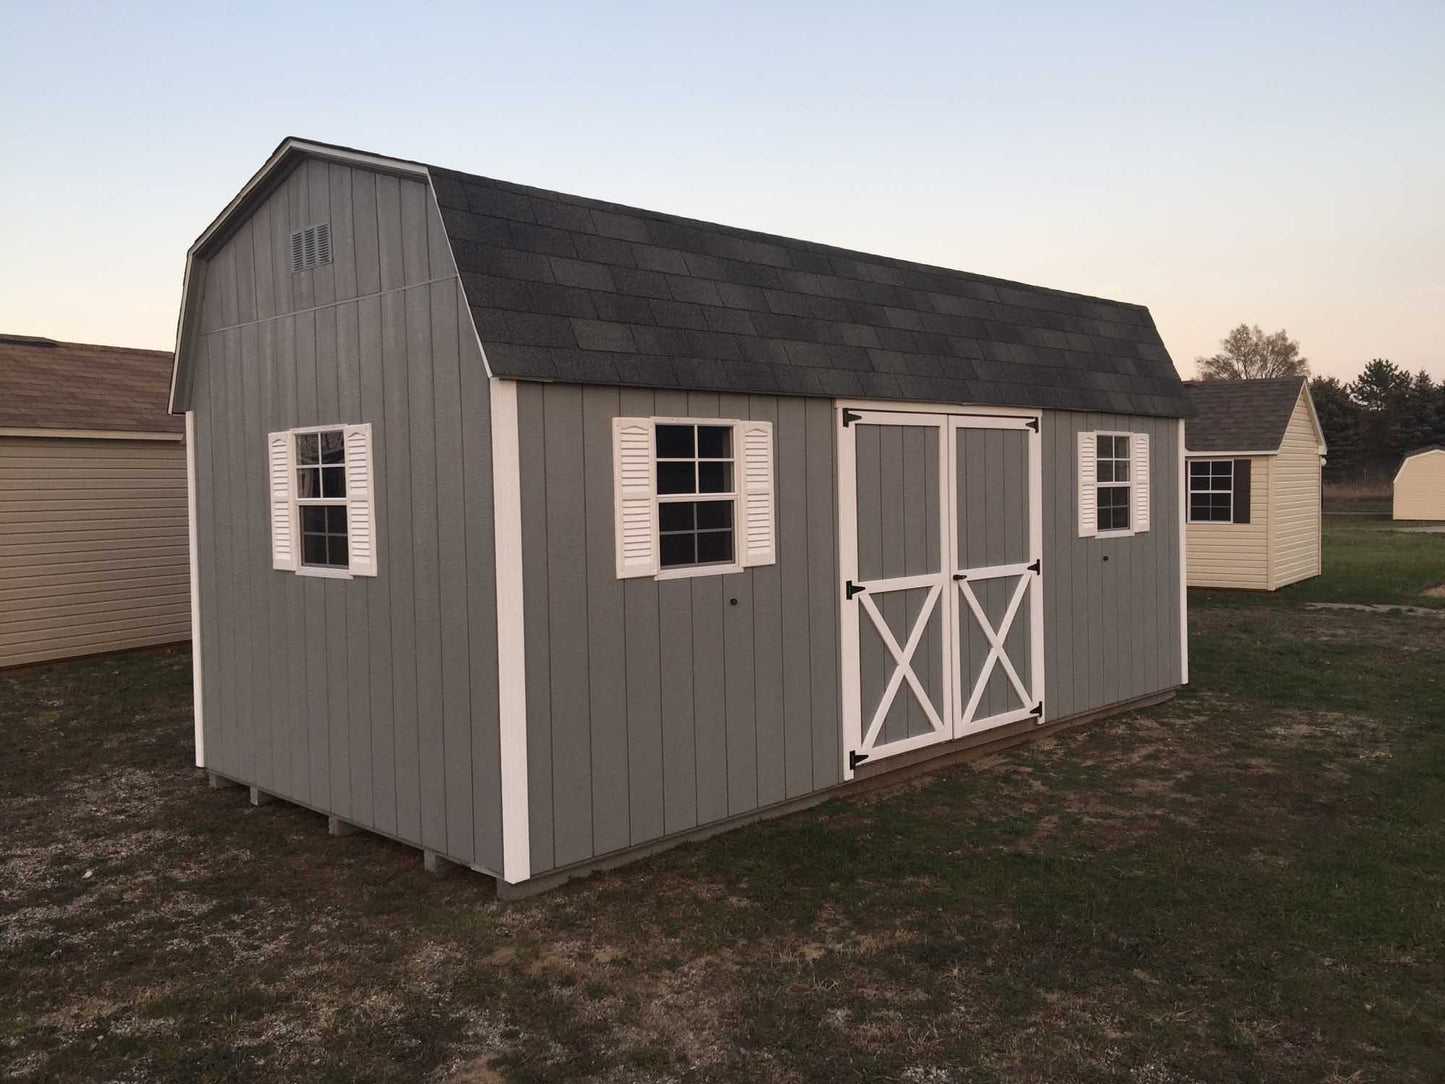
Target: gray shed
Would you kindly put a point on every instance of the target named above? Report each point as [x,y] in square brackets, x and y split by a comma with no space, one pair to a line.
[538,532]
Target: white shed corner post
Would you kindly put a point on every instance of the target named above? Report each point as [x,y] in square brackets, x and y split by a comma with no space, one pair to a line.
[511,648]
[196,697]
[1183,483]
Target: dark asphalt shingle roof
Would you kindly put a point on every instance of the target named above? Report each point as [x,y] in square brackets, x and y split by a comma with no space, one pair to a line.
[1240,415]
[46,384]
[571,289]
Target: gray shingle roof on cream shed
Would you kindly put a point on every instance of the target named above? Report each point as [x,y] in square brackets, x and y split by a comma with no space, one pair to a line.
[570,289]
[1240,415]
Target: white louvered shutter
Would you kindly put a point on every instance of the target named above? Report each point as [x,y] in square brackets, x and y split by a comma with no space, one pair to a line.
[1139,473]
[283,508]
[1088,475]
[633,489]
[758,537]
[360,501]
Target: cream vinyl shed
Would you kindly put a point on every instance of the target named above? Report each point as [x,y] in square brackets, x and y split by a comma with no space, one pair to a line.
[1420,485]
[92,501]
[1255,453]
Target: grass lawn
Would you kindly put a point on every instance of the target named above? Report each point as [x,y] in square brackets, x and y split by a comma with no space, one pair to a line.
[1368,561]
[1245,884]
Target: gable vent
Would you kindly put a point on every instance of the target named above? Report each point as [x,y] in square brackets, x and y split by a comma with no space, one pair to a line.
[311,247]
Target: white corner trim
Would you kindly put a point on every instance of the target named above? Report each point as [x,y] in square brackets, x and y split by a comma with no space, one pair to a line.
[1183,482]
[196,698]
[93,434]
[511,647]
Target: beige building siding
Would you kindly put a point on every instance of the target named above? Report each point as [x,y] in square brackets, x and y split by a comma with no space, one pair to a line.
[1235,554]
[1420,487]
[1295,517]
[92,546]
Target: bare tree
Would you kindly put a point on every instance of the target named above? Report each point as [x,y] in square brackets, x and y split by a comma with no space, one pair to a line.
[1249,354]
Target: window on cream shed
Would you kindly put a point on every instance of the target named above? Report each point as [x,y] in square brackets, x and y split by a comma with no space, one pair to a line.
[322,497]
[692,496]
[1113,485]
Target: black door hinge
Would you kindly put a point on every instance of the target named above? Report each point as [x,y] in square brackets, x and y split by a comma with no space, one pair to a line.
[855,758]
[1038,709]
[1033,423]
[849,417]
[850,589]
[1037,566]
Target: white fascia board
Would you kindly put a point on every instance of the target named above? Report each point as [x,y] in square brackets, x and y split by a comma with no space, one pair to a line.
[1314,417]
[1416,455]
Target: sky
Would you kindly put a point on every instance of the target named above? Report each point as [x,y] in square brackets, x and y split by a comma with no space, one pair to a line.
[1274,164]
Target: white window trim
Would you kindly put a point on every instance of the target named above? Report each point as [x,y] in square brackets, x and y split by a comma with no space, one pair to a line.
[1189,492]
[1129,531]
[747,490]
[716,568]
[359,505]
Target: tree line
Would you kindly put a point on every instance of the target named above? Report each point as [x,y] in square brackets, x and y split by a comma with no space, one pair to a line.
[1369,422]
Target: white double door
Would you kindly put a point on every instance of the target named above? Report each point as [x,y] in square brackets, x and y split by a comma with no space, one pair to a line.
[941,560]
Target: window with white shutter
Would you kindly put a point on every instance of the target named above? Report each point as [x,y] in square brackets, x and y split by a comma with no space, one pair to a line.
[1113,484]
[323,501]
[693,496]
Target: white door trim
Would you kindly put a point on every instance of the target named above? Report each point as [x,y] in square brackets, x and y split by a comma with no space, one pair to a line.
[853,598]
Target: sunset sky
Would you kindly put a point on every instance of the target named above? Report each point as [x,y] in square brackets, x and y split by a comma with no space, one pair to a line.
[1282,167]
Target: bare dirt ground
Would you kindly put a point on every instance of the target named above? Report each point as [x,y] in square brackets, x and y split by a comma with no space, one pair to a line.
[1243,884]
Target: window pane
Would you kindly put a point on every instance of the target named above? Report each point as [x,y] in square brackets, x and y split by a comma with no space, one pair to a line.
[335,519]
[1198,470]
[675,477]
[1121,470]
[333,481]
[308,482]
[313,520]
[336,550]
[313,549]
[332,448]
[1104,447]
[1121,447]
[677,549]
[306,448]
[714,546]
[1106,470]
[1223,474]
[674,442]
[714,441]
[714,477]
[712,514]
[675,516]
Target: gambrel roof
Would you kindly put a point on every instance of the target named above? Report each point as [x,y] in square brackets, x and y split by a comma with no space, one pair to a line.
[1240,415]
[564,288]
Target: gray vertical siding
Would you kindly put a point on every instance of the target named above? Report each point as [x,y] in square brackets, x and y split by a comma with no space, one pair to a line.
[1111,627]
[654,707]
[373,699]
